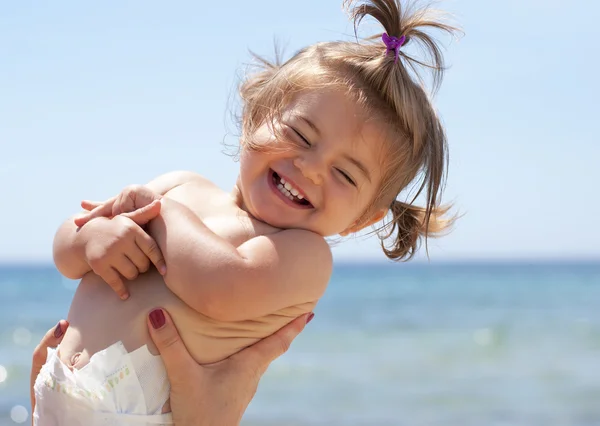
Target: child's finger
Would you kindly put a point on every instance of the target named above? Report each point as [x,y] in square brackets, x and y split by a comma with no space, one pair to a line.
[147,244]
[145,214]
[90,205]
[104,210]
[114,280]
[126,268]
[139,258]
[82,219]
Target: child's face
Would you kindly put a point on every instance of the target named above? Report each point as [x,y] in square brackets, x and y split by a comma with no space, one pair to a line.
[336,169]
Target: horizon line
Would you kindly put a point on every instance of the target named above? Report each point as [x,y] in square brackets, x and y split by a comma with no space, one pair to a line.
[570,260]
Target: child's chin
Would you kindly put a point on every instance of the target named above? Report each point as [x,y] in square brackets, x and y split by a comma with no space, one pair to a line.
[278,222]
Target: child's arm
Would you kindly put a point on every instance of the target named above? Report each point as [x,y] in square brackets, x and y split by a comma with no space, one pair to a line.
[70,243]
[111,248]
[136,197]
[263,275]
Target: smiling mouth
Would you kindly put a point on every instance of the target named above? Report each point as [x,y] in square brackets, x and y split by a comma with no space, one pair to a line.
[288,191]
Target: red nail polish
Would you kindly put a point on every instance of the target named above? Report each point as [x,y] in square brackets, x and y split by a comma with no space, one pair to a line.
[58,331]
[157,318]
[310,317]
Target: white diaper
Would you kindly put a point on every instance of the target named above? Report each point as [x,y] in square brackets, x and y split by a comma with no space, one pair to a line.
[114,388]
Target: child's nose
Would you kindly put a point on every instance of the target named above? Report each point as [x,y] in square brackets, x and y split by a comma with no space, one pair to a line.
[309,169]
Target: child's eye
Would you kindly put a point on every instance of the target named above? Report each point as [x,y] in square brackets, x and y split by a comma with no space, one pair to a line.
[347,177]
[302,137]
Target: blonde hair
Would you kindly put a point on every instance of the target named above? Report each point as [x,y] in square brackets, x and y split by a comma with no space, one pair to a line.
[392,91]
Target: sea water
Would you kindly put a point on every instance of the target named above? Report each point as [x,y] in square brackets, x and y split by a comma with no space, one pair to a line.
[463,344]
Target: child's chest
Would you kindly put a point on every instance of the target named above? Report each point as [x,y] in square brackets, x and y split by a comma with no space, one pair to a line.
[219,212]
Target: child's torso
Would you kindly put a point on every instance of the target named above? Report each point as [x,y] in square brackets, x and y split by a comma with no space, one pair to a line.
[98,318]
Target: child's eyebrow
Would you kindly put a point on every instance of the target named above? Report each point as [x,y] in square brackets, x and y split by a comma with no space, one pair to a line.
[311,125]
[359,165]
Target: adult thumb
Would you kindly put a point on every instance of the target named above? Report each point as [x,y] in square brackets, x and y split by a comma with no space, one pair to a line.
[165,336]
[145,214]
[265,351]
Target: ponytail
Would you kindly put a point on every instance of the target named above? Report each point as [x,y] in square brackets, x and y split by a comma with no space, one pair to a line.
[409,224]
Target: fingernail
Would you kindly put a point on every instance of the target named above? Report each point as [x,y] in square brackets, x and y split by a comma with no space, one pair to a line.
[125,296]
[157,318]
[310,317]
[163,269]
[58,331]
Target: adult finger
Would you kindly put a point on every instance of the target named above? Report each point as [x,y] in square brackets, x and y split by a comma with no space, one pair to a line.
[265,351]
[177,359]
[149,247]
[51,339]
[145,214]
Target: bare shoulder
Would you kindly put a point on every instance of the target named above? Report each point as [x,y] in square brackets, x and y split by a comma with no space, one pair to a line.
[312,259]
[309,243]
[171,180]
[301,258]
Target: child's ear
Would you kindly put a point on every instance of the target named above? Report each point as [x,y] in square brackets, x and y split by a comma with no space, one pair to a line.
[355,227]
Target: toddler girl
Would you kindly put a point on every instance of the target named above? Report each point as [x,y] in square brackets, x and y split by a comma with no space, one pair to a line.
[330,140]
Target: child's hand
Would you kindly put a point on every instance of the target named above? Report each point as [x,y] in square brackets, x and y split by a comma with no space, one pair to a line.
[132,198]
[119,248]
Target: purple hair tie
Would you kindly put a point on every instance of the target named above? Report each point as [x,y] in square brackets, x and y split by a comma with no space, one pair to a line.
[393,44]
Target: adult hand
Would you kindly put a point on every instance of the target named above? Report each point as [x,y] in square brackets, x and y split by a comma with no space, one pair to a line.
[51,339]
[215,394]
[201,395]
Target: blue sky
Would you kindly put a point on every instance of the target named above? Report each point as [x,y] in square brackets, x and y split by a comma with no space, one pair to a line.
[95,96]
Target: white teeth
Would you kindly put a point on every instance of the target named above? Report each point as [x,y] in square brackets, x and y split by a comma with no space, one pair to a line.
[288,190]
